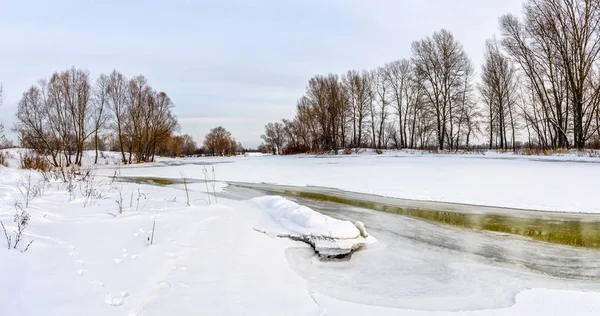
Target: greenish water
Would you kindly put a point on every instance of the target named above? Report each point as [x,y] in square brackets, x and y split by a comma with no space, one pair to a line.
[572,232]
[150,180]
[578,230]
[158,181]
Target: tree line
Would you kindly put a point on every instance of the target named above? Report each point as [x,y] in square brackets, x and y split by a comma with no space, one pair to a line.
[67,113]
[1,101]
[539,86]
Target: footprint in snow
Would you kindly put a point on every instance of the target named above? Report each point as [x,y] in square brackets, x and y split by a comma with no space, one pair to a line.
[124,294]
[164,285]
[117,260]
[114,301]
[124,250]
[134,256]
[184,285]
[81,272]
[81,263]
[99,283]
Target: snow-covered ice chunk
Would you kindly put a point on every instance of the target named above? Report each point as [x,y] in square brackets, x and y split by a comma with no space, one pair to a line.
[329,237]
[305,221]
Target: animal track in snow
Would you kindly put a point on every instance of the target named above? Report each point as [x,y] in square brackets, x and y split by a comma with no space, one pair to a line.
[164,285]
[134,256]
[114,301]
[117,260]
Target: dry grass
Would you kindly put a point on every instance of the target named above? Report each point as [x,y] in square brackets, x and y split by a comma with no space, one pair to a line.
[592,153]
[3,159]
[34,161]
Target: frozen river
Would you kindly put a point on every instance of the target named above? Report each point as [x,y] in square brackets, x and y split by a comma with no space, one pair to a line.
[426,266]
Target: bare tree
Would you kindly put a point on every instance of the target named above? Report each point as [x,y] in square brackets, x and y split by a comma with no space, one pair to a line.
[383,94]
[219,142]
[274,137]
[357,87]
[53,117]
[189,145]
[556,46]
[117,93]
[442,64]
[399,76]
[100,114]
[58,116]
[498,89]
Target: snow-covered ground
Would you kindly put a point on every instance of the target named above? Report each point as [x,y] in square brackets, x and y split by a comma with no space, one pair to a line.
[209,259]
[554,183]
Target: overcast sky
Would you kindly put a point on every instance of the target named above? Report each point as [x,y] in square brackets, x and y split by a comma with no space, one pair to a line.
[236,63]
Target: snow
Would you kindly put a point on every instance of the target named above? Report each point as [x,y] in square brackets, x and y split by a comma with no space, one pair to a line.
[208,259]
[548,183]
[203,261]
[527,303]
[304,221]
[330,237]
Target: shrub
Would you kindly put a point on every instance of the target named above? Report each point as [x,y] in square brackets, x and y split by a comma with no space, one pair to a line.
[34,162]
[21,219]
[3,159]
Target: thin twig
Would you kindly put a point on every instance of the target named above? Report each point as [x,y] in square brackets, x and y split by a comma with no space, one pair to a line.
[29,244]
[186,189]
[205,171]
[131,200]
[153,225]
[214,183]
[6,234]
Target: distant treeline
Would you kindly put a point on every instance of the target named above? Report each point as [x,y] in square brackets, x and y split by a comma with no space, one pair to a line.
[67,113]
[539,87]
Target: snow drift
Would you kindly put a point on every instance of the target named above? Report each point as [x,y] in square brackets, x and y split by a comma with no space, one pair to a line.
[329,237]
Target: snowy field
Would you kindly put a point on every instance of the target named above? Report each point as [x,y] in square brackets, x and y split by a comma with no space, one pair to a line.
[209,259]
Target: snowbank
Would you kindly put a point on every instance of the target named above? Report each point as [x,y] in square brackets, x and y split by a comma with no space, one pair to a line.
[329,237]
